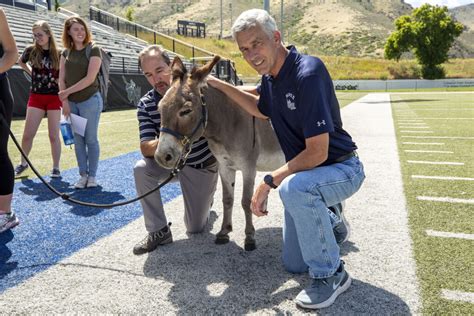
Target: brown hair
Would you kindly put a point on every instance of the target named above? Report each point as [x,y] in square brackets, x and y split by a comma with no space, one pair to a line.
[67,39]
[36,54]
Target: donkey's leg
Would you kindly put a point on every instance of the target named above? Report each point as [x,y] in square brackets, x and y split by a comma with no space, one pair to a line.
[228,181]
[249,181]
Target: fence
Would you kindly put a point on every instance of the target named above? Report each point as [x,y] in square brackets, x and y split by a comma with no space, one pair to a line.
[411,84]
[147,34]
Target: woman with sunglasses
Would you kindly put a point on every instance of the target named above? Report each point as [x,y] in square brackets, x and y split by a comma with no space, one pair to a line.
[8,57]
[41,62]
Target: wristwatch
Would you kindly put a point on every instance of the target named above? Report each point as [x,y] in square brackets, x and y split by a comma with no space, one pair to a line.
[268,179]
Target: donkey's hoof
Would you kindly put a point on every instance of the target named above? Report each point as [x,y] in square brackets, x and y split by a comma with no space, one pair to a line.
[250,246]
[222,239]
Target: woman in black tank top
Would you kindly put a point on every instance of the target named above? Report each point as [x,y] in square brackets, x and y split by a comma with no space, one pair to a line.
[8,57]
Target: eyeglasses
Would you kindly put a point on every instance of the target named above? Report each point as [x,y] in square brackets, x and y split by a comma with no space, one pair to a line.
[38,35]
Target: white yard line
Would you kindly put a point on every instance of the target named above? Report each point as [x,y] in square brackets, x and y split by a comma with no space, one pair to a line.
[434,233]
[445,199]
[45,130]
[443,137]
[413,127]
[436,162]
[429,151]
[458,296]
[417,143]
[448,118]
[419,132]
[441,178]
[444,109]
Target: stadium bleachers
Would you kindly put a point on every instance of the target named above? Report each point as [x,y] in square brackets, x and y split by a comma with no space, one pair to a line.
[124,48]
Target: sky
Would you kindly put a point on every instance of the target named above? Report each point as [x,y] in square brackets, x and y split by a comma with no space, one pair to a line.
[448,3]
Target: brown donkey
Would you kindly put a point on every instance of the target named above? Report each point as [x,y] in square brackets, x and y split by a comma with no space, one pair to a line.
[239,141]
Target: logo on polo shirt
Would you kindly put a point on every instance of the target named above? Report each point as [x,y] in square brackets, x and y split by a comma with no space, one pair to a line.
[323,122]
[290,101]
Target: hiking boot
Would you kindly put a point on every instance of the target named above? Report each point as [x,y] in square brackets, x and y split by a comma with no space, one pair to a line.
[55,173]
[91,182]
[323,292]
[342,229]
[7,221]
[20,168]
[153,240]
[81,184]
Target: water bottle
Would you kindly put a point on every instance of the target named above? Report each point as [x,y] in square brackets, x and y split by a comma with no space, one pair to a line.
[66,131]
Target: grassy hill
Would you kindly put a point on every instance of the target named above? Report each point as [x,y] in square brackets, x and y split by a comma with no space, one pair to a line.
[348,35]
[356,28]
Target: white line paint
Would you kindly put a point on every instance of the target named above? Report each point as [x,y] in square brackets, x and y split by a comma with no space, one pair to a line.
[412,123]
[458,296]
[429,151]
[435,233]
[45,130]
[448,118]
[444,137]
[436,162]
[421,132]
[417,143]
[414,120]
[415,176]
[415,127]
[445,199]
[444,109]
[108,122]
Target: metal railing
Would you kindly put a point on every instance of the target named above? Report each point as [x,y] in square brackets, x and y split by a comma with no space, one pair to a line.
[147,34]
[224,70]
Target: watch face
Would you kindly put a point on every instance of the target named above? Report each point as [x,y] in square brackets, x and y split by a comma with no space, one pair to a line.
[268,179]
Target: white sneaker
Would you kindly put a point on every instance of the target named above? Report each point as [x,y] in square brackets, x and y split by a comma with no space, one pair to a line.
[81,184]
[7,221]
[91,182]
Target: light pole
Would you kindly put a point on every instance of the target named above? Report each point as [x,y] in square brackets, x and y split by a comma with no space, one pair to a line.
[221,20]
[266,5]
[281,21]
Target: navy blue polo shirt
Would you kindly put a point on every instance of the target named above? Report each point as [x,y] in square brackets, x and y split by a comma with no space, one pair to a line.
[301,103]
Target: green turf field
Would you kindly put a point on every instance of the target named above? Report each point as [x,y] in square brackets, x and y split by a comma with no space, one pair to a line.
[442,263]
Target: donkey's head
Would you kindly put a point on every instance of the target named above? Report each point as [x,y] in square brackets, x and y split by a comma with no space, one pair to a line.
[183,115]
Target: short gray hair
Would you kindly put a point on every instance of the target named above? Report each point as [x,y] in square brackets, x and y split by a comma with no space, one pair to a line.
[252,18]
[153,50]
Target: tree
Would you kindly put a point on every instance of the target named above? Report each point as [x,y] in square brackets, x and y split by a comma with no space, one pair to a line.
[129,14]
[429,33]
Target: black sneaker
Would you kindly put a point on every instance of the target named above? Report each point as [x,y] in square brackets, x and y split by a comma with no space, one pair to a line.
[342,230]
[20,168]
[55,173]
[153,240]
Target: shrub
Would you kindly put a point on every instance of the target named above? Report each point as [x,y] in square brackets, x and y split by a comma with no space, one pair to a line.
[404,72]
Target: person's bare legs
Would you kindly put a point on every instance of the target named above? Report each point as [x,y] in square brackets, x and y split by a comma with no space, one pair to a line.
[33,120]
[53,129]
[5,203]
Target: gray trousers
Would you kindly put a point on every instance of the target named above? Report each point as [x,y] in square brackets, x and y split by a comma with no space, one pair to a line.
[198,187]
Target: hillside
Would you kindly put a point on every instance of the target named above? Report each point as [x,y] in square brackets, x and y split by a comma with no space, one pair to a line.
[324,27]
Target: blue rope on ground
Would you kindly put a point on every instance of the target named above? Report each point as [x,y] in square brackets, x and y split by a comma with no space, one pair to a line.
[51,229]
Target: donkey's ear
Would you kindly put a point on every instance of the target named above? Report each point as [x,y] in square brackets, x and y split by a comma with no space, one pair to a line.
[178,69]
[200,73]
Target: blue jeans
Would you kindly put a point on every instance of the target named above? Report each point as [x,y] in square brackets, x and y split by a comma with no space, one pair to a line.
[308,239]
[87,147]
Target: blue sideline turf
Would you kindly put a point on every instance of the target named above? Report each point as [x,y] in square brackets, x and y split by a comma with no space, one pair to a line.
[51,229]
